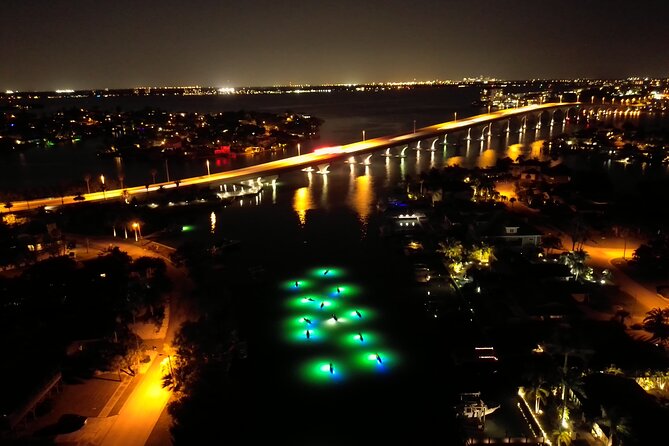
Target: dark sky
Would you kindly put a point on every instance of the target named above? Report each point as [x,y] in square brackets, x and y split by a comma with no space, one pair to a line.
[50,44]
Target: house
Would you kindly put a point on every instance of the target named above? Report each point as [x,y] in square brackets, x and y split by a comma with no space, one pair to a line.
[504,230]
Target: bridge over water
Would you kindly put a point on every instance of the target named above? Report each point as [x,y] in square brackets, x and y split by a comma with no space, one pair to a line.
[320,157]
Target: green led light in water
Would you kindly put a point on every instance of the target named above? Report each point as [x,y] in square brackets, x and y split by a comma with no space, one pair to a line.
[368,360]
[352,339]
[303,303]
[296,285]
[323,371]
[326,273]
[342,290]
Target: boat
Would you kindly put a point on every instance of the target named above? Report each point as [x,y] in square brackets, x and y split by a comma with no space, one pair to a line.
[473,407]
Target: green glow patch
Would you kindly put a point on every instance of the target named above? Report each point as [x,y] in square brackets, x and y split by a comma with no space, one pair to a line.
[351,339]
[323,371]
[296,285]
[323,318]
[342,290]
[326,273]
[380,360]
[359,314]
[302,303]
[306,336]
[304,320]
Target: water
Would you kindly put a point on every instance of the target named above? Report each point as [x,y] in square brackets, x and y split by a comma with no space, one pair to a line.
[346,115]
[39,170]
[325,221]
[331,221]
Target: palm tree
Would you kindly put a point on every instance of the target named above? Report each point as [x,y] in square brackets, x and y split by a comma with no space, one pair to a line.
[8,205]
[578,233]
[575,260]
[622,315]
[619,425]
[551,242]
[656,322]
[540,395]
[562,437]
[87,179]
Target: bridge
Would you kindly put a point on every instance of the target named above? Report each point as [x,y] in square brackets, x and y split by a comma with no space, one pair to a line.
[320,157]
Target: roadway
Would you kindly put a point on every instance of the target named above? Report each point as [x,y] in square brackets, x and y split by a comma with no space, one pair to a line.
[319,156]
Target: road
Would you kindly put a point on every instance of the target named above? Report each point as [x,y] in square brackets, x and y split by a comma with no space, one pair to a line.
[139,414]
[319,156]
[605,254]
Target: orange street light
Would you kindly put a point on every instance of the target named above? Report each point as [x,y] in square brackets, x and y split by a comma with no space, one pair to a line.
[102,180]
[137,229]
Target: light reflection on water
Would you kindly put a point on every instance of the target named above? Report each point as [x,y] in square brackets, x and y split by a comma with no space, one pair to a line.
[361,196]
[358,187]
[302,202]
[353,189]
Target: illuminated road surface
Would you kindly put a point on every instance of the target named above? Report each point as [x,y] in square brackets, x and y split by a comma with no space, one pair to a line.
[320,156]
[139,414]
[602,257]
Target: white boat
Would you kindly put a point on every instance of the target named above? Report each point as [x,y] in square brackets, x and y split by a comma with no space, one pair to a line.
[472,406]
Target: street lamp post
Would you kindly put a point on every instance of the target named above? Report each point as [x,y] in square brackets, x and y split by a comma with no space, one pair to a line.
[208,171]
[414,126]
[455,116]
[363,135]
[624,246]
[167,171]
[102,180]
[298,149]
[138,231]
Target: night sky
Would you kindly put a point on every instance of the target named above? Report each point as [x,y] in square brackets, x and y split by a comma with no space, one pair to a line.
[59,44]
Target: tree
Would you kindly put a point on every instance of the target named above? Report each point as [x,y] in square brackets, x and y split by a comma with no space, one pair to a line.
[622,315]
[512,200]
[562,437]
[578,233]
[550,242]
[539,393]
[123,352]
[575,260]
[619,425]
[8,206]
[656,322]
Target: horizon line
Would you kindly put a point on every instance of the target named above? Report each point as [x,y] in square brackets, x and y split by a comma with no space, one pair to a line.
[433,82]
